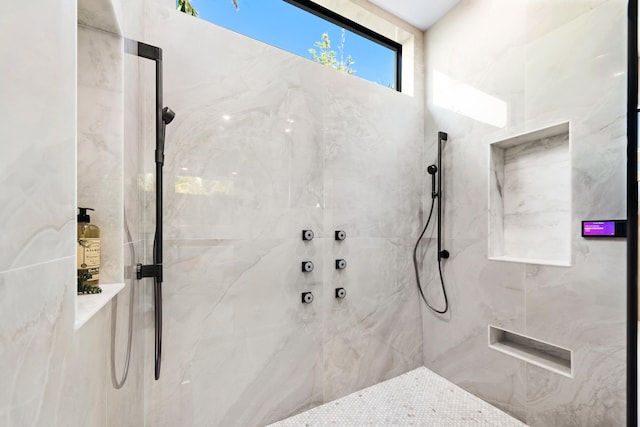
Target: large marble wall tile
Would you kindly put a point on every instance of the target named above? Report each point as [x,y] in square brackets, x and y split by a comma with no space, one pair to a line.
[37,202]
[235,331]
[598,181]
[33,306]
[256,126]
[373,333]
[37,166]
[247,368]
[595,400]
[560,301]
[571,92]
[476,73]
[52,375]
[406,123]
[543,16]
[366,129]
[580,309]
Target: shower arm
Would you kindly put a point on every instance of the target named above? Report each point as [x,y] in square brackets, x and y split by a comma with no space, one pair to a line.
[154,270]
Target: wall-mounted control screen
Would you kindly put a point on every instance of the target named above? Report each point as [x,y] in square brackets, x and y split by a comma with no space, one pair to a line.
[606,228]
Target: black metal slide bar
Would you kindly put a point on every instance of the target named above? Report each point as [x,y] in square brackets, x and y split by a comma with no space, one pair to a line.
[154,270]
[442,137]
[632,214]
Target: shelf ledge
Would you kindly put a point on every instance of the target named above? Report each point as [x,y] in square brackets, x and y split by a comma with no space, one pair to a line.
[88,305]
[537,261]
[536,352]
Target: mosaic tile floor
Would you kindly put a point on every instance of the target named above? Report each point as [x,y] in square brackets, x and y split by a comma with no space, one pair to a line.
[417,398]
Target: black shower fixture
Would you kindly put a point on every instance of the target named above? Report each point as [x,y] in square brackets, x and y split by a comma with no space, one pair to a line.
[432,169]
[442,253]
[164,116]
[436,193]
[167,115]
[307,266]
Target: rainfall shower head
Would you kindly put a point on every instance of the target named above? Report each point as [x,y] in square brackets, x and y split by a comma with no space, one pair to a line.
[167,115]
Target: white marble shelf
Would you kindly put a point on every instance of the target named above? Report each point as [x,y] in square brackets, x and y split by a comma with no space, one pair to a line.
[88,305]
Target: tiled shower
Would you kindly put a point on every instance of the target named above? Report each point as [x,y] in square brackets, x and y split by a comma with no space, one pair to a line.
[266,144]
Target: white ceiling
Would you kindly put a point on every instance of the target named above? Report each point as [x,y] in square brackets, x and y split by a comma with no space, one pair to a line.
[419,13]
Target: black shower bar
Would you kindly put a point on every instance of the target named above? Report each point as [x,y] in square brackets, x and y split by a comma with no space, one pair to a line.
[154,270]
[442,253]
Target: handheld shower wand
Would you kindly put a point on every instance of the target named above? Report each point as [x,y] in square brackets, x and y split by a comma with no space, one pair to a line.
[432,169]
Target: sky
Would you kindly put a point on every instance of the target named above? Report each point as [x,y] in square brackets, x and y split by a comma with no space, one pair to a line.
[288,27]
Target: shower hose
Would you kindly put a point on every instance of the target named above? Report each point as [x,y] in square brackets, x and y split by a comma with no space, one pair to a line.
[114,314]
[415,266]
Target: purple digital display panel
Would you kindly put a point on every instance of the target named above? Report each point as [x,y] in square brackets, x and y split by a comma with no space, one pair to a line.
[598,228]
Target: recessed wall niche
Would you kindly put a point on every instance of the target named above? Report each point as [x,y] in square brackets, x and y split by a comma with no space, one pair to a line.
[530,197]
[100,147]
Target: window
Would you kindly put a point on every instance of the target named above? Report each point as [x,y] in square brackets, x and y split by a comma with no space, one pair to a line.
[307,29]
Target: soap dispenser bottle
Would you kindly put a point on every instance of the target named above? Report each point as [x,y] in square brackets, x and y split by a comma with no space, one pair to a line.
[88,254]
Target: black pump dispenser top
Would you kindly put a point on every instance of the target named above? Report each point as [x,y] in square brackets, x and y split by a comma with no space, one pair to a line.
[82,216]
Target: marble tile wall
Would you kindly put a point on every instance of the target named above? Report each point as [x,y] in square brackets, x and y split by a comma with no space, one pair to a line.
[544,61]
[50,374]
[264,145]
[53,375]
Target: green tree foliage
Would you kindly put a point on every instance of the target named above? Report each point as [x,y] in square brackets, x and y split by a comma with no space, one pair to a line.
[186,7]
[325,55]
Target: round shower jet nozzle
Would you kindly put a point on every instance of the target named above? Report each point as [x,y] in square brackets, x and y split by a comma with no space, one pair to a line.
[432,169]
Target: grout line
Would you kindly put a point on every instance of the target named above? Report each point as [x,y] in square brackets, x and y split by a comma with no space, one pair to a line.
[39,264]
